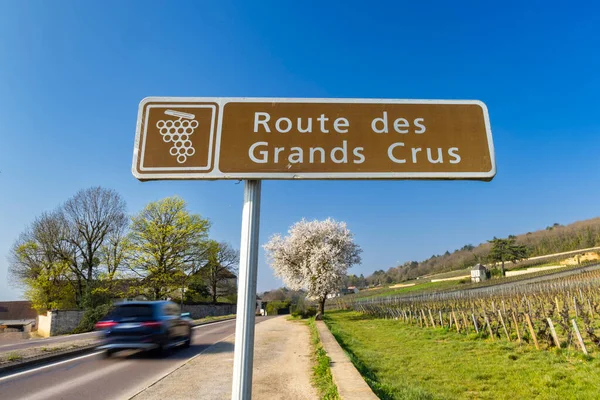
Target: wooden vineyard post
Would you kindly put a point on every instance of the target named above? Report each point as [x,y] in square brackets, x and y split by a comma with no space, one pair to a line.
[475,323]
[456,322]
[579,338]
[431,316]
[441,320]
[425,318]
[503,325]
[537,346]
[553,331]
[575,307]
[516,327]
[487,321]
[465,322]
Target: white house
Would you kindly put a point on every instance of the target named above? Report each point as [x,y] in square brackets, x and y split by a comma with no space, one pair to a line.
[479,273]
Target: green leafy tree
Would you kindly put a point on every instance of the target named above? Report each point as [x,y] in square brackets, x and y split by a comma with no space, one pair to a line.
[167,244]
[35,266]
[196,290]
[506,250]
[48,291]
[219,273]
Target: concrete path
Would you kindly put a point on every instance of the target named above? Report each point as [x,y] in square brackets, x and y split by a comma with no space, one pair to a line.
[282,368]
[350,384]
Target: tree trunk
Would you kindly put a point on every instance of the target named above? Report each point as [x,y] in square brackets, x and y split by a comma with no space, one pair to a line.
[502,268]
[214,291]
[79,294]
[321,308]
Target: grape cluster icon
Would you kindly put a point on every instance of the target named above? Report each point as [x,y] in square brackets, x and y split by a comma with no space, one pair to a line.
[178,132]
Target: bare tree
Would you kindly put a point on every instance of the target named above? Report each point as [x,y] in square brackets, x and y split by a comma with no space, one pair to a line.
[88,219]
[113,254]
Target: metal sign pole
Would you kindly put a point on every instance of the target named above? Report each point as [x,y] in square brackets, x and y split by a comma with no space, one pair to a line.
[246,301]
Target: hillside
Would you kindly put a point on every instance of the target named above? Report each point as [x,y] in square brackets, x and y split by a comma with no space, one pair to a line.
[553,239]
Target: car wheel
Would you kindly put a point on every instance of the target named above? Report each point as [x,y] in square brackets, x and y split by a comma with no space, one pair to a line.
[159,351]
[188,341]
[107,353]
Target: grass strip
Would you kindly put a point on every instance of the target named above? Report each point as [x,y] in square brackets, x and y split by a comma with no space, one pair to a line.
[322,378]
[401,361]
[213,319]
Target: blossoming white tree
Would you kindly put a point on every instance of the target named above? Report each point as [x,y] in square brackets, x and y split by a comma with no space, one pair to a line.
[314,256]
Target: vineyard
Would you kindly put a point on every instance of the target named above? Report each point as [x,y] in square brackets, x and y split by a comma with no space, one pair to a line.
[426,286]
[562,313]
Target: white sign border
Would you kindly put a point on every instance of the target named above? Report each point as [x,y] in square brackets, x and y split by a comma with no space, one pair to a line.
[210,143]
[216,174]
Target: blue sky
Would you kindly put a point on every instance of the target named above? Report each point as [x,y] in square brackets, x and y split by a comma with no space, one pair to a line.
[72,75]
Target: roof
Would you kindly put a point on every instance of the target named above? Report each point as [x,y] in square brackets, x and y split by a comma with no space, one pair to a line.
[478,267]
[17,322]
[16,310]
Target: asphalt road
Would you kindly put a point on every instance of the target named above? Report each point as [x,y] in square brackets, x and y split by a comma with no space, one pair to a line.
[25,343]
[120,377]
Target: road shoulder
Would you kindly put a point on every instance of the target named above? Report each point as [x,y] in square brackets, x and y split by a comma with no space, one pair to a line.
[282,367]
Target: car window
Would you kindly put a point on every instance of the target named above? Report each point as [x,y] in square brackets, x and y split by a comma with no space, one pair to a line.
[140,311]
[171,309]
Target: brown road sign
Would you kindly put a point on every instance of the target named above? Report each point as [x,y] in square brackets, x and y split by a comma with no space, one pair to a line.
[264,138]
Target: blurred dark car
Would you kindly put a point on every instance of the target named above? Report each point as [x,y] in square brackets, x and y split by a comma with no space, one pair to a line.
[146,325]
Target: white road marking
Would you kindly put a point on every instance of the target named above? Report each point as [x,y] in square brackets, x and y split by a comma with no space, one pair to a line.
[48,366]
[54,391]
[29,371]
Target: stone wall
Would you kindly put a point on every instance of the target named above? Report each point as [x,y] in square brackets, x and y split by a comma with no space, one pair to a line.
[198,311]
[58,322]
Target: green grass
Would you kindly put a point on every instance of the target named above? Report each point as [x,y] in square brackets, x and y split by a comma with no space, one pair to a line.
[450,274]
[321,371]
[210,319]
[401,361]
[13,357]
[542,265]
[418,287]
